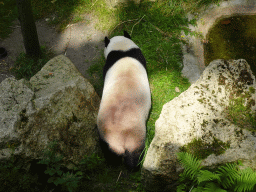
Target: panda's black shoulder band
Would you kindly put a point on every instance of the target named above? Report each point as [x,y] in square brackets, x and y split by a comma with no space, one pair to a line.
[114,56]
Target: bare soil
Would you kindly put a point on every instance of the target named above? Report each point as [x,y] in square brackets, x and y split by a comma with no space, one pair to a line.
[80,42]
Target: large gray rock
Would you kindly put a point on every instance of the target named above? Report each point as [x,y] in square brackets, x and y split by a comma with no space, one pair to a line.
[14,98]
[208,112]
[57,104]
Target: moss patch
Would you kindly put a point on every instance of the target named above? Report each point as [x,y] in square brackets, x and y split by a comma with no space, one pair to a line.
[23,118]
[241,114]
[202,150]
[252,90]
[236,40]
[205,123]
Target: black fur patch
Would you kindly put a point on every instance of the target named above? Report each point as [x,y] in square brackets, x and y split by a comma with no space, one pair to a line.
[131,160]
[106,41]
[111,157]
[114,56]
[127,35]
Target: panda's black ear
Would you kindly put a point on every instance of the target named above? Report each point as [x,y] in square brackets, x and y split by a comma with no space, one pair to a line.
[127,35]
[106,41]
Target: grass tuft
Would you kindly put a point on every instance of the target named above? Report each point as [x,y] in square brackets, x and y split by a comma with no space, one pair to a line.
[26,67]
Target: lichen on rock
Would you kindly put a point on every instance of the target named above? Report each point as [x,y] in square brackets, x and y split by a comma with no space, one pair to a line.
[57,104]
[214,120]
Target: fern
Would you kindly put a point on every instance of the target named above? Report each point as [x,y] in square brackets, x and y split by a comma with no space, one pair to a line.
[246,180]
[213,187]
[206,175]
[197,189]
[181,187]
[229,176]
[191,165]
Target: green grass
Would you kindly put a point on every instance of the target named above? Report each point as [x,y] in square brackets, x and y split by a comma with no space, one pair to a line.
[155,27]
[26,67]
[8,12]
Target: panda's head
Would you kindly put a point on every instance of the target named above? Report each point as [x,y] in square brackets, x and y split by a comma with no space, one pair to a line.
[121,43]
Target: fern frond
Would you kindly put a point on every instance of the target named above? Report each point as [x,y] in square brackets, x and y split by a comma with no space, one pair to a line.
[229,174]
[181,188]
[191,165]
[198,189]
[246,180]
[205,175]
[213,187]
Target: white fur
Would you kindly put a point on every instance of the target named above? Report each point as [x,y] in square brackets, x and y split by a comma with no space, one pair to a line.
[126,89]
[119,43]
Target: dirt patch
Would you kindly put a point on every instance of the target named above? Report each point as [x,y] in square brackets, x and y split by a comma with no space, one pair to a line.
[80,42]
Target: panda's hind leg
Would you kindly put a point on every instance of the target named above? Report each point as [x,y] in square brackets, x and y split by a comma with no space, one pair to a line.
[111,157]
[131,159]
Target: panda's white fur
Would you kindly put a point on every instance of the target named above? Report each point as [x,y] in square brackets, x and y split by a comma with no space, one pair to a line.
[119,43]
[125,103]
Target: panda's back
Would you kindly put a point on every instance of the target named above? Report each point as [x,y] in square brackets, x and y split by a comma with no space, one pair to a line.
[126,78]
[126,86]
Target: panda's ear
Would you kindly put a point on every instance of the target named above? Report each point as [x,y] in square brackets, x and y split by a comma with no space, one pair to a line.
[127,35]
[106,41]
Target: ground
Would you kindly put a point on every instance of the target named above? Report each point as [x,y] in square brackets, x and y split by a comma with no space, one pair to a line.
[80,42]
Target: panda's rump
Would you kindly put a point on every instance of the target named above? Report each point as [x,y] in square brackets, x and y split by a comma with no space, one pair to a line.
[122,125]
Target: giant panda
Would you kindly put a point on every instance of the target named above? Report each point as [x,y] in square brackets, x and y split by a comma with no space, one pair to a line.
[125,103]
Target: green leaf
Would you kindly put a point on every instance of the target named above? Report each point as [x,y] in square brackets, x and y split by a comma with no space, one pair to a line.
[198,189]
[228,174]
[181,188]
[70,188]
[44,161]
[246,181]
[240,163]
[79,173]
[67,175]
[206,175]
[59,172]
[59,181]
[213,187]
[51,180]
[191,164]
[50,171]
